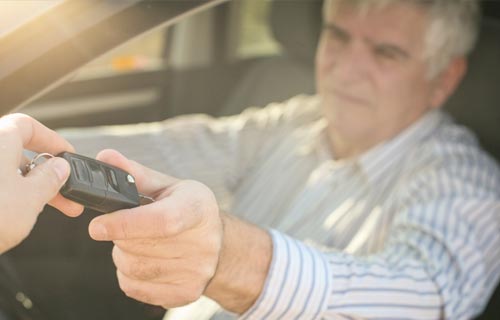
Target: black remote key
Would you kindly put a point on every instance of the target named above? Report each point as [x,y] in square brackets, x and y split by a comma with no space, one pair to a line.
[98,185]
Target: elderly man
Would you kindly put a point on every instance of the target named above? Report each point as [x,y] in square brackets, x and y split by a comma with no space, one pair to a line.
[364,201]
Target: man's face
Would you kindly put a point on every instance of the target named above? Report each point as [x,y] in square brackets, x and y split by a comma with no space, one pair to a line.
[371,73]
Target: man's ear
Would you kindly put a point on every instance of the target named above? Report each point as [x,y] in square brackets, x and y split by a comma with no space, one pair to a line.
[447,81]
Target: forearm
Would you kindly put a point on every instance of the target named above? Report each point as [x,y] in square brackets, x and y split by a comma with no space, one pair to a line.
[302,282]
[243,265]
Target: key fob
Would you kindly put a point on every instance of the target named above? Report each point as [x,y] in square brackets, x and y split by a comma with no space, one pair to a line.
[98,185]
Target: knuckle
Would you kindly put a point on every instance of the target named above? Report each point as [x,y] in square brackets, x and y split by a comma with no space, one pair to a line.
[124,284]
[17,118]
[213,244]
[131,291]
[20,120]
[207,272]
[134,268]
[142,296]
[154,271]
[196,206]
[205,201]
[171,222]
[11,123]
[124,228]
[201,270]
[116,255]
[197,291]
[126,264]
[139,268]
[190,295]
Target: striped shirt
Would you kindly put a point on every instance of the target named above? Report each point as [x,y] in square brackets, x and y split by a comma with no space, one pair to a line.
[408,230]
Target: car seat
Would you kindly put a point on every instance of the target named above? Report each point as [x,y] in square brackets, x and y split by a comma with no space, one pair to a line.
[296,26]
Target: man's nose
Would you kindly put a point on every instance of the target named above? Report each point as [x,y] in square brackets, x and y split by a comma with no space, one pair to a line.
[351,65]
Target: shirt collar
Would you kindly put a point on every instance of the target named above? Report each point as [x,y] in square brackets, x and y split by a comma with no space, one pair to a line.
[377,162]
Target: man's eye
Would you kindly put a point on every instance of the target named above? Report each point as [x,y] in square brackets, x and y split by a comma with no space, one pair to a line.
[337,35]
[387,53]
[390,53]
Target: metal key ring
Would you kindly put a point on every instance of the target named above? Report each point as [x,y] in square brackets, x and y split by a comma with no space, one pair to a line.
[33,163]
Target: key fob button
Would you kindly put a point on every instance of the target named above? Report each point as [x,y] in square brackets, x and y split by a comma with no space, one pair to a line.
[112,179]
[81,171]
[98,178]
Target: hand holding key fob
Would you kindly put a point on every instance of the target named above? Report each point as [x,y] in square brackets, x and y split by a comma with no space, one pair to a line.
[98,185]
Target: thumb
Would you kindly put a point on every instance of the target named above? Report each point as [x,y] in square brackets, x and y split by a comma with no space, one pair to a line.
[48,178]
[148,181]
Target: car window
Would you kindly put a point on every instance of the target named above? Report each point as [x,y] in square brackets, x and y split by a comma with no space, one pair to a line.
[144,53]
[132,76]
[14,13]
[256,37]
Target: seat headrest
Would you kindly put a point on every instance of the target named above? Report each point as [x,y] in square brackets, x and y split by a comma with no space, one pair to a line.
[476,103]
[296,25]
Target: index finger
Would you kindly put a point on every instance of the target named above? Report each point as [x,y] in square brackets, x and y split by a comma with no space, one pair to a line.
[20,131]
[162,219]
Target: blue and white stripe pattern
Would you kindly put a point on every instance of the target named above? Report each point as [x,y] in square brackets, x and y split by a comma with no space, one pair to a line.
[409,230]
[428,249]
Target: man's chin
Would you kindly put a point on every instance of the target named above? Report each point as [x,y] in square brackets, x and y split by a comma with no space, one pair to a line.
[349,117]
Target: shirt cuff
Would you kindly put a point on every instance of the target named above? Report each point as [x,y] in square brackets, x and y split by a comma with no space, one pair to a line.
[297,285]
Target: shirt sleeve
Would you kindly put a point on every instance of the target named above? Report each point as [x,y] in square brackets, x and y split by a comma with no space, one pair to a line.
[441,259]
[215,151]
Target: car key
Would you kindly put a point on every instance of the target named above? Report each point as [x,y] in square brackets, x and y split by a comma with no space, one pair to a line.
[98,185]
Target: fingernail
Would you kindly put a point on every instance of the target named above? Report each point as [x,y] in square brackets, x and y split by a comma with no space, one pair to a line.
[61,167]
[98,232]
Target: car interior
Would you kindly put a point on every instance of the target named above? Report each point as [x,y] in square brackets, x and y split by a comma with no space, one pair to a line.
[66,275]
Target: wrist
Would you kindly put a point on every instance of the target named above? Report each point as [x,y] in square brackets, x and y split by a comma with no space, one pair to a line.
[243,265]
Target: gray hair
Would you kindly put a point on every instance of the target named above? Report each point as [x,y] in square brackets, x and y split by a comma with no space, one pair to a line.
[452,29]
